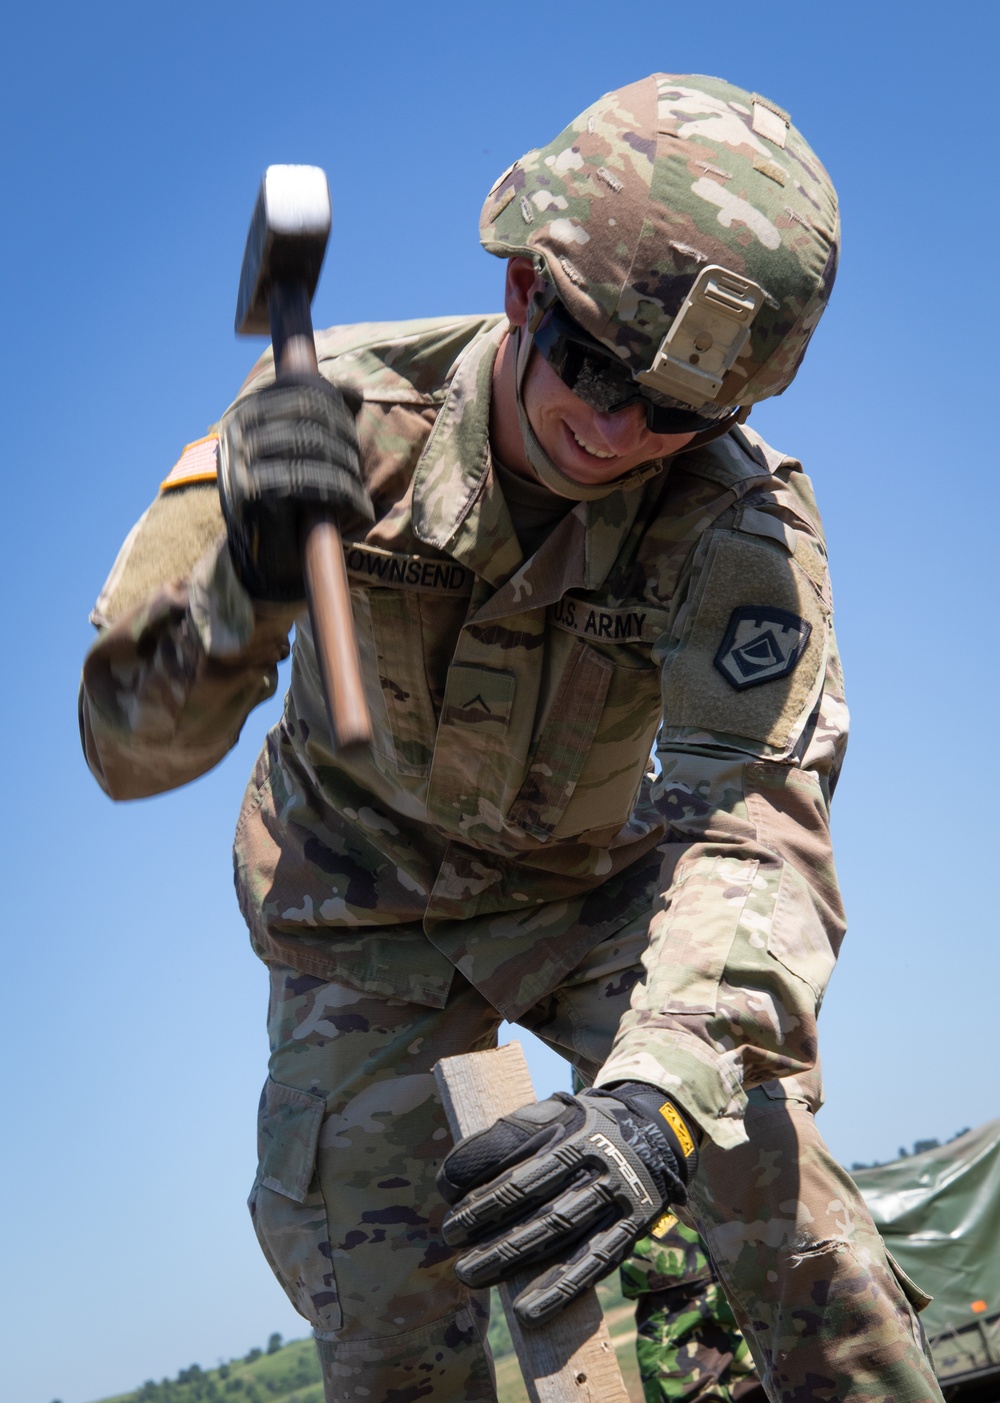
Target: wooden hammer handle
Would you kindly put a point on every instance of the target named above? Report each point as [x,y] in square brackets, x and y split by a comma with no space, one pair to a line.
[327,591]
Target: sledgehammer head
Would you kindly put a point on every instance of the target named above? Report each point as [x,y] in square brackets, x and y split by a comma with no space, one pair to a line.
[286,242]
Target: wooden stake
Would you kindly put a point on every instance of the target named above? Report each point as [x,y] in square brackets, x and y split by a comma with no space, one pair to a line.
[571,1359]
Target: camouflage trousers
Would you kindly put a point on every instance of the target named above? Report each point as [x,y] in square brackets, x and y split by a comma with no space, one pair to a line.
[352,1133]
[688,1345]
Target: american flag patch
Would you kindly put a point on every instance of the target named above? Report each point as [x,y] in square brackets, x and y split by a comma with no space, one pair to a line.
[196,464]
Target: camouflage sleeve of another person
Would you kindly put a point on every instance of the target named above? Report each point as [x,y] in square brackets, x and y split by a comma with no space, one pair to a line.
[688,1344]
[183,654]
[749,922]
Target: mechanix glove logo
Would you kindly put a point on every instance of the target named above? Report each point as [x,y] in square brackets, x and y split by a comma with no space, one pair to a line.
[761,644]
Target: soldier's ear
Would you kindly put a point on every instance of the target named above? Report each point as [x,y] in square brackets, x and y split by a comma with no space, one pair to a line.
[520,284]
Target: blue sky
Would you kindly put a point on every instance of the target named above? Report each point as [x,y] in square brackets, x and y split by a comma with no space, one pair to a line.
[133,139]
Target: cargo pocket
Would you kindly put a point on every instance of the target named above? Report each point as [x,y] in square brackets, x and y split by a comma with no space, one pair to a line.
[287,1208]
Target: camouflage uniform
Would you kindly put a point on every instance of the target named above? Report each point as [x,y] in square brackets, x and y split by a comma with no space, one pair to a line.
[504,851]
[688,1343]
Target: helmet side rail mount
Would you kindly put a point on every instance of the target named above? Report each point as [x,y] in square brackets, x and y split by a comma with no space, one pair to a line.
[706,336]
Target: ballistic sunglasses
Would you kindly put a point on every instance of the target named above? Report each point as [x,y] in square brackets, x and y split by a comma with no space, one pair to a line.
[605,383]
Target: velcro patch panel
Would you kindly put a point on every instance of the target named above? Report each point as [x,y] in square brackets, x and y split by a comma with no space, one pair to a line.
[478,696]
[755,645]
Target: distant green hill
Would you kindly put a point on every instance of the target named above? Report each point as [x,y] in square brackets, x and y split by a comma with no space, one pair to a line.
[282,1374]
[289,1373]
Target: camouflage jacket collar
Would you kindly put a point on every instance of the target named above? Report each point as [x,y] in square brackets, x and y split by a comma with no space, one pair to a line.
[458,505]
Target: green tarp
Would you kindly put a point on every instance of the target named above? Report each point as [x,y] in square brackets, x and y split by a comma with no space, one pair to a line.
[939,1212]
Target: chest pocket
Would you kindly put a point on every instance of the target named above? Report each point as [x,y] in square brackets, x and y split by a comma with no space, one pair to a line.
[404,722]
[472,764]
[405,639]
[563,743]
[601,711]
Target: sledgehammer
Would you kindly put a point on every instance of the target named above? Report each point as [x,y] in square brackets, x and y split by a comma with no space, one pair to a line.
[281,263]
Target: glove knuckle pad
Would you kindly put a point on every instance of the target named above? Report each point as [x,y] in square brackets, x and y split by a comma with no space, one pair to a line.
[286,447]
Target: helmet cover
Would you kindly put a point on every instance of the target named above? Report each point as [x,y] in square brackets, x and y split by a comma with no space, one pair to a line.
[659,182]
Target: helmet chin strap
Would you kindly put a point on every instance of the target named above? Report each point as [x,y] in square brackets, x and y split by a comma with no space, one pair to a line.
[540,462]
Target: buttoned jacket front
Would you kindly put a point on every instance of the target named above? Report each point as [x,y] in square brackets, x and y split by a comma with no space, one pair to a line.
[507,818]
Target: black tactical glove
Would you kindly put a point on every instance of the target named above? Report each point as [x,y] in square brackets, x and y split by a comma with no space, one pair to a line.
[569,1183]
[284,451]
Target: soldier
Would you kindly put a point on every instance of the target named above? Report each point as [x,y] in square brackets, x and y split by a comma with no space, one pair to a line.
[688,1344]
[561,541]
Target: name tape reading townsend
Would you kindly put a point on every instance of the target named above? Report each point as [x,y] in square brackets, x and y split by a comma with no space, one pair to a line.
[396,570]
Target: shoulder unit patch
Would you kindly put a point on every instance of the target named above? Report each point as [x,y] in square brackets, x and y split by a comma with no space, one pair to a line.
[761,644]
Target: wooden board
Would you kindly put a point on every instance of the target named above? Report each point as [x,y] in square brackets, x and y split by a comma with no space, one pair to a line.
[571,1359]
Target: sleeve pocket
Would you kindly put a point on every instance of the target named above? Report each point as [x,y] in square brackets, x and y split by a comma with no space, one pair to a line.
[796,939]
[916,1295]
[696,935]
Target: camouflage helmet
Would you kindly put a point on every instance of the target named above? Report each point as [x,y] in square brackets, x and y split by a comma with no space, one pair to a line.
[687,226]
